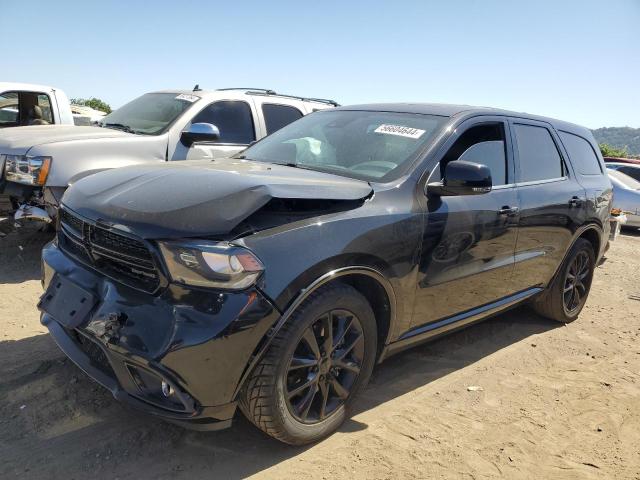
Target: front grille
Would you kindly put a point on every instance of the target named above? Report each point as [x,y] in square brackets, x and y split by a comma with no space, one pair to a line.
[118,256]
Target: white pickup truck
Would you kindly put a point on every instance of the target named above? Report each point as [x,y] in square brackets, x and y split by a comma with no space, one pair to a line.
[23,104]
[40,162]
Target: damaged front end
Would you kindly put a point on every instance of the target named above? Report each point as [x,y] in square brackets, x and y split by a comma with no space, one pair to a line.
[23,181]
[159,304]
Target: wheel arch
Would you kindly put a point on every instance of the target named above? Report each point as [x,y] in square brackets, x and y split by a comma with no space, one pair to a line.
[367,280]
[593,233]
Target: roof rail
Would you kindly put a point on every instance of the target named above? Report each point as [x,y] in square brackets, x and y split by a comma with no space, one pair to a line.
[269,92]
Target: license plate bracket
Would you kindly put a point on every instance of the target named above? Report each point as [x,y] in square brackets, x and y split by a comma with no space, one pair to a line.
[68,303]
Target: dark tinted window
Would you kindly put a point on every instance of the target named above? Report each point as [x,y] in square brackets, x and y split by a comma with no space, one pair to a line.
[483,144]
[631,171]
[233,119]
[538,154]
[277,116]
[581,154]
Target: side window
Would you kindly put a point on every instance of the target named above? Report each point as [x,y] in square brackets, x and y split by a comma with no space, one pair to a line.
[632,172]
[278,116]
[45,106]
[538,154]
[233,119]
[581,154]
[9,109]
[482,144]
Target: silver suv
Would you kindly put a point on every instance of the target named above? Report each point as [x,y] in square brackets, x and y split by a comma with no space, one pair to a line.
[40,162]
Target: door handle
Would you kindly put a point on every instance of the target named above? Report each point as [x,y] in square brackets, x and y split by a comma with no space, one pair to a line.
[508,211]
[575,201]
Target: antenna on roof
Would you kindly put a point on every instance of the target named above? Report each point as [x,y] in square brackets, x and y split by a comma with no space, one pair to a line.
[197,88]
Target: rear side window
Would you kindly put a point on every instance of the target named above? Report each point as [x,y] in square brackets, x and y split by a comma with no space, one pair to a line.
[278,116]
[581,154]
[538,154]
[233,119]
[45,107]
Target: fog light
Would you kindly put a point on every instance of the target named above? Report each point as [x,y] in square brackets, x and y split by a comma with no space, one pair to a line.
[167,391]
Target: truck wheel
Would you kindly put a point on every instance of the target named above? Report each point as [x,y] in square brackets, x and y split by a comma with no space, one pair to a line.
[303,388]
[567,294]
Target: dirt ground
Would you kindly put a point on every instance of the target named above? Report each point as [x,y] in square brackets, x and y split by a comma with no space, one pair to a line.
[556,401]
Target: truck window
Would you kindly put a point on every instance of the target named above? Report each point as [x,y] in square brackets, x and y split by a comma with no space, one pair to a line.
[9,109]
[581,154]
[45,106]
[537,152]
[277,116]
[233,119]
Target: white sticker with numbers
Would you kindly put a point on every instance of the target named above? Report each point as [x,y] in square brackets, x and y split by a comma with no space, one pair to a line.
[188,98]
[399,130]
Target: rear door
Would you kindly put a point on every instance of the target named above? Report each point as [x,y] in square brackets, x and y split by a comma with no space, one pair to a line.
[551,202]
[469,241]
[276,112]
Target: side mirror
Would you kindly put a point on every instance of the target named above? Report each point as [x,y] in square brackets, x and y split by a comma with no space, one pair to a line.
[200,132]
[462,178]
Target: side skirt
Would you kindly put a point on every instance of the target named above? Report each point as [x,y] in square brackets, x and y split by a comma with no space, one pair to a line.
[433,330]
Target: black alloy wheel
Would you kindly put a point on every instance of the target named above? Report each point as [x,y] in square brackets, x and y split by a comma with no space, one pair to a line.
[576,283]
[324,366]
[309,378]
[566,295]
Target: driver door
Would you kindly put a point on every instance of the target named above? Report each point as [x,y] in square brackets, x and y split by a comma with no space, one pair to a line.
[469,241]
[234,119]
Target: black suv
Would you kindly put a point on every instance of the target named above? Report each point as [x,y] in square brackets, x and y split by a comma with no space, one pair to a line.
[275,280]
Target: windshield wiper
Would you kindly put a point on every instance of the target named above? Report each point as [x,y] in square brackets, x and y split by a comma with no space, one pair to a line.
[119,126]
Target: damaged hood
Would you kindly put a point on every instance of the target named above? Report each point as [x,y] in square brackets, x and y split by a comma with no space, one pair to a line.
[198,198]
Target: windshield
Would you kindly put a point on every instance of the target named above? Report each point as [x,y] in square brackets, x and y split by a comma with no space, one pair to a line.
[623,180]
[372,146]
[150,114]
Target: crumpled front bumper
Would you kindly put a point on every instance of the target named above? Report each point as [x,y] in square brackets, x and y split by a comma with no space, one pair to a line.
[198,342]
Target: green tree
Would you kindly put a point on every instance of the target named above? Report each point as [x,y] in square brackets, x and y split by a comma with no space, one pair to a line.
[94,103]
[609,151]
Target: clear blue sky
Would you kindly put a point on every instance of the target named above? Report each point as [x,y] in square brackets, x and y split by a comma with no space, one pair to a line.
[577,60]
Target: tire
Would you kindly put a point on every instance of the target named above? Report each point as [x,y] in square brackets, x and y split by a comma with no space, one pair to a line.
[266,398]
[555,303]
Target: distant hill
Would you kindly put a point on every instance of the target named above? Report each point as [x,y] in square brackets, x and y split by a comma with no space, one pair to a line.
[620,137]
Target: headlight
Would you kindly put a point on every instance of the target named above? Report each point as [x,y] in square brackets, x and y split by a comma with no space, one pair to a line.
[27,170]
[208,264]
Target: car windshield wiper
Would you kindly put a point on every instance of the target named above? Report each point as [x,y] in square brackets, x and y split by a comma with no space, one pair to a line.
[119,126]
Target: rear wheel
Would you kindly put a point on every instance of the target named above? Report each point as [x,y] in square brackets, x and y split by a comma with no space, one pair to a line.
[565,297]
[303,388]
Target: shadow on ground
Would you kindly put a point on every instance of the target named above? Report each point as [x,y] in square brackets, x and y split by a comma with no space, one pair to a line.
[20,252]
[56,422]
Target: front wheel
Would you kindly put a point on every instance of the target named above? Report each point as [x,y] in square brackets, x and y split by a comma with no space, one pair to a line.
[568,292]
[302,389]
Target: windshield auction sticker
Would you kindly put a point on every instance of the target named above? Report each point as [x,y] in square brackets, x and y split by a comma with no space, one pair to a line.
[399,130]
[187,98]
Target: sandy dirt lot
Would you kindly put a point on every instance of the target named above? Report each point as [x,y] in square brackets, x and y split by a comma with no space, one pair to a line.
[556,401]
